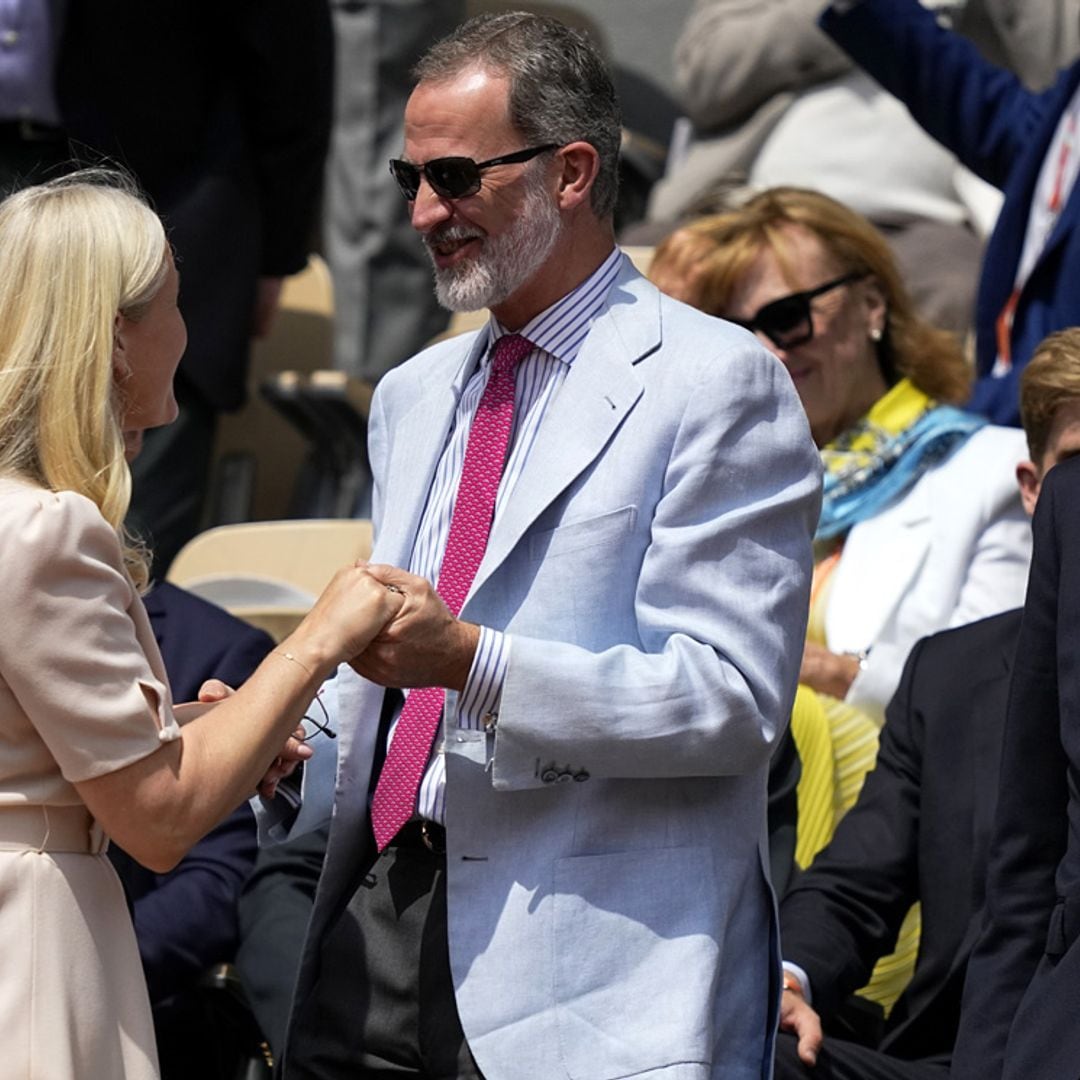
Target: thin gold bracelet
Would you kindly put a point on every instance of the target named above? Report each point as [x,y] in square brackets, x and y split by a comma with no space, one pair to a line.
[299,663]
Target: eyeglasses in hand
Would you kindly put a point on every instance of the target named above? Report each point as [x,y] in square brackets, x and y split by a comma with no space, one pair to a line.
[322,725]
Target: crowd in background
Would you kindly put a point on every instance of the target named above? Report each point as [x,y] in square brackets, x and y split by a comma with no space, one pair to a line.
[884,193]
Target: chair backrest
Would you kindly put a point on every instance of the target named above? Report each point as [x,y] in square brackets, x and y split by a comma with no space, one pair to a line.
[270,572]
[257,442]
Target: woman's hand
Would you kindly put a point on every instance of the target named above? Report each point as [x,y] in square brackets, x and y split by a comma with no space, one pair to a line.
[292,753]
[351,611]
[828,672]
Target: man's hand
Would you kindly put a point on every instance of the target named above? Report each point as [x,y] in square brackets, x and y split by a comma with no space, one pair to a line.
[797,1016]
[828,672]
[423,645]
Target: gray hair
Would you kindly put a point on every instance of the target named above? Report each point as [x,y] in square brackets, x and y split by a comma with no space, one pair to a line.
[560,88]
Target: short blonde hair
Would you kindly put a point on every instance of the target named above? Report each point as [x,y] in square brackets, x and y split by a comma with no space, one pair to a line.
[709,256]
[1050,380]
[75,253]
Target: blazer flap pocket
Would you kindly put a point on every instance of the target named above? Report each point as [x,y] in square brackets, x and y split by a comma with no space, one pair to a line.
[580,535]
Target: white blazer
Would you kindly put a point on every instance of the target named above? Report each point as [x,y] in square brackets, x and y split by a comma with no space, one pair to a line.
[955,549]
[651,568]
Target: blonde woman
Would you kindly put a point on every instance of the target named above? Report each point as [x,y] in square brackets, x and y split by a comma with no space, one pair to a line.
[90,746]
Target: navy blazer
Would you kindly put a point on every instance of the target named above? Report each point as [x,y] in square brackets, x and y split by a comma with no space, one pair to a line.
[920,831]
[186,920]
[1022,994]
[1001,131]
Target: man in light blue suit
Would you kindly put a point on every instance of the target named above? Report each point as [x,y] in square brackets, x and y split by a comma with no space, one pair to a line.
[580,888]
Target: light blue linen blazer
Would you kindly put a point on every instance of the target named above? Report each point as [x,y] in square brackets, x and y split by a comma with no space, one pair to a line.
[652,567]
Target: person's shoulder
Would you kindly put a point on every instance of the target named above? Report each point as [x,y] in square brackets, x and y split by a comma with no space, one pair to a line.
[707,345]
[195,612]
[989,458]
[971,638]
[1063,477]
[996,439]
[436,364]
[34,517]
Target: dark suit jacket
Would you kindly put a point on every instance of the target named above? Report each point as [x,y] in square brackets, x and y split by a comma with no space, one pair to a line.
[222,111]
[919,831]
[1022,996]
[187,919]
[999,130]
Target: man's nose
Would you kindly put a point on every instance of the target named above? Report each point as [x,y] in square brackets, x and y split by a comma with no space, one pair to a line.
[429,208]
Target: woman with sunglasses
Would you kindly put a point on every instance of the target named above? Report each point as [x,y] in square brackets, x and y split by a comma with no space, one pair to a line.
[91,745]
[921,525]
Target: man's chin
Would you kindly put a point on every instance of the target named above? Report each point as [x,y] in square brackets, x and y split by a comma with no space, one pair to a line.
[456,295]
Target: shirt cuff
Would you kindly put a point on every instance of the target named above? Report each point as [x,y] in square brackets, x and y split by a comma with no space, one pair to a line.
[478,704]
[804,980]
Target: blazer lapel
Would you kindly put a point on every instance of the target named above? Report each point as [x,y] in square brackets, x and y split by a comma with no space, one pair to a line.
[886,553]
[599,391]
[419,438]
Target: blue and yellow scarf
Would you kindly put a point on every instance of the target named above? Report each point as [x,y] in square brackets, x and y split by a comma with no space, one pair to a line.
[881,457]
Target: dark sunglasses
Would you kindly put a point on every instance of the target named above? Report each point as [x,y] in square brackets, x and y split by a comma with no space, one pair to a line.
[455,177]
[788,322]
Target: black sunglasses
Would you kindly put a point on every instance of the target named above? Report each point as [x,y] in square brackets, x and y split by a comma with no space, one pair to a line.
[788,322]
[455,177]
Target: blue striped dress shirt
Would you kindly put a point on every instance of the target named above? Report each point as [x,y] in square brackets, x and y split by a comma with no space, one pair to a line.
[557,334]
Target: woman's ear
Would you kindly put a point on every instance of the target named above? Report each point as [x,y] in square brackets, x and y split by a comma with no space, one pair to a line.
[580,163]
[121,367]
[877,309]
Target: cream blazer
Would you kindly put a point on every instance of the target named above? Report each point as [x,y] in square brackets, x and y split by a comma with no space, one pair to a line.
[956,548]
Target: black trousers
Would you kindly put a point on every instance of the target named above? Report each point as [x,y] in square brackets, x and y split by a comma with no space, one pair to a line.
[841,1060]
[384,1006]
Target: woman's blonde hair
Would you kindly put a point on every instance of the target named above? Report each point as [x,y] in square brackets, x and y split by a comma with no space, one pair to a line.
[703,261]
[74,254]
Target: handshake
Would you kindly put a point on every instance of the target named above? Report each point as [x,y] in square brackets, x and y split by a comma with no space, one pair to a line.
[389,625]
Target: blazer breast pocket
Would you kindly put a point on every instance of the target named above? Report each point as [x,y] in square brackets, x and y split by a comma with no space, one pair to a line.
[594,532]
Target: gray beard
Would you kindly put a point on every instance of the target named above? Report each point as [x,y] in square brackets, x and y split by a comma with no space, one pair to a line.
[505,262]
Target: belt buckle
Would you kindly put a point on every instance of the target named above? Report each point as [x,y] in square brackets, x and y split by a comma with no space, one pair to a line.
[428,840]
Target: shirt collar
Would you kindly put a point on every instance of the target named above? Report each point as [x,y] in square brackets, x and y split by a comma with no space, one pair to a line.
[561,329]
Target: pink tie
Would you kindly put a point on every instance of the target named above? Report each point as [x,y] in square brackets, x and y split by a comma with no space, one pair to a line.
[474,506]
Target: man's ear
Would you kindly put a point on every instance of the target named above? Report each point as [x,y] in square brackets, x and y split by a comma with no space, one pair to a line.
[1030,481]
[580,164]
